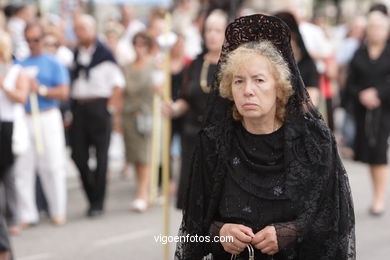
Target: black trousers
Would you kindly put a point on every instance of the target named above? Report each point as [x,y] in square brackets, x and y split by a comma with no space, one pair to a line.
[6,154]
[91,128]
[6,161]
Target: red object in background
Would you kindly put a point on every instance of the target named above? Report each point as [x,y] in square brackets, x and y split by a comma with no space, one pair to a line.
[326,86]
[325,80]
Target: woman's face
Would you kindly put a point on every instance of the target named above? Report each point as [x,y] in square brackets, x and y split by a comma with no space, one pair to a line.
[254,89]
[214,34]
[140,47]
[377,31]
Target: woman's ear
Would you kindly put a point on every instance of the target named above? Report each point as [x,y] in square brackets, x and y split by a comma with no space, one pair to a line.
[279,93]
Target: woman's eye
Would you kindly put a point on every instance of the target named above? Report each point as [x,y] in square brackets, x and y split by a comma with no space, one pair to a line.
[239,81]
[259,80]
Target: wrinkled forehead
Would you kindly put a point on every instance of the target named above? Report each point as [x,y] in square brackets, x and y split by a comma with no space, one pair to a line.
[249,63]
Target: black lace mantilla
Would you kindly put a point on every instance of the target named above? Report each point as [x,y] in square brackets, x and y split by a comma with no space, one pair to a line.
[315,179]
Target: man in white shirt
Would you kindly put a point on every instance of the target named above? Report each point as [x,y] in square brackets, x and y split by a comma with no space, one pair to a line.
[97,84]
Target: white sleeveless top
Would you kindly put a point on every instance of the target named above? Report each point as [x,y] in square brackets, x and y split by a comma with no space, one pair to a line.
[7,106]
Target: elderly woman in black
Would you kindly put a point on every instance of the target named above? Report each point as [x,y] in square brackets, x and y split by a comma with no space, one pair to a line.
[266,171]
[368,87]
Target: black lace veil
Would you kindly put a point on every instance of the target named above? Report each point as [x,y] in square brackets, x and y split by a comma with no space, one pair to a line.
[316,180]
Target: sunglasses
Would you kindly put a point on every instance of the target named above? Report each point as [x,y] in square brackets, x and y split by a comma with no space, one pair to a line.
[33,40]
[51,44]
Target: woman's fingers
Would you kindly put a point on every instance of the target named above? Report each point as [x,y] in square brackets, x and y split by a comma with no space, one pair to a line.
[246,230]
[239,245]
[236,250]
[240,232]
[258,238]
[269,251]
[266,239]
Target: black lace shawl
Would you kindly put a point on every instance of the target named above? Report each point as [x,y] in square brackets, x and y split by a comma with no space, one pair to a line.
[316,180]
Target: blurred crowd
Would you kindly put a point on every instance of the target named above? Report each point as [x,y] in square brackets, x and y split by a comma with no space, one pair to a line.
[65,82]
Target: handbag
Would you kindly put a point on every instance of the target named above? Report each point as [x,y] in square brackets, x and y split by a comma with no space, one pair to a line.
[251,253]
[144,122]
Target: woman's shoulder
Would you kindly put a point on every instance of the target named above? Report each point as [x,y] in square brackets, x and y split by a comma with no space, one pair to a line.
[318,140]
[360,53]
[197,62]
[209,133]
[209,138]
[310,140]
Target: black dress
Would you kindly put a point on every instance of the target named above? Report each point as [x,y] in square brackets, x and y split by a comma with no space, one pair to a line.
[196,98]
[177,82]
[254,184]
[308,71]
[372,126]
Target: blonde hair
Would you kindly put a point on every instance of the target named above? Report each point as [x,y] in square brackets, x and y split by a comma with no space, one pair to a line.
[5,46]
[279,67]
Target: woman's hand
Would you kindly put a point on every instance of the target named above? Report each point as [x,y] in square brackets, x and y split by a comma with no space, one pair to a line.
[174,109]
[166,109]
[242,236]
[369,98]
[266,241]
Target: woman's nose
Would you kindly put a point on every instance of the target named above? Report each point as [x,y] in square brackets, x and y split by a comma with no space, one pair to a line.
[248,89]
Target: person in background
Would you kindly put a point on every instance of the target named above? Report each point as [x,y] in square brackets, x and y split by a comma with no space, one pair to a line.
[155,29]
[137,116]
[184,18]
[13,94]
[194,93]
[319,47]
[131,26]
[368,85]
[97,84]
[53,46]
[345,52]
[49,80]
[327,79]
[54,41]
[112,34]
[179,63]
[304,61]
[21,15]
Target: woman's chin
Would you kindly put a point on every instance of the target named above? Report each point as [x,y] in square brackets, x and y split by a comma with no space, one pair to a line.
[251,115]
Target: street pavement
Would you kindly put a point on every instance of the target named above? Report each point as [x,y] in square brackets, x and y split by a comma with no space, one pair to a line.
[123,234]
